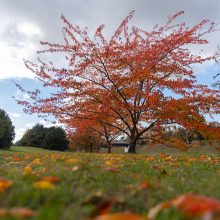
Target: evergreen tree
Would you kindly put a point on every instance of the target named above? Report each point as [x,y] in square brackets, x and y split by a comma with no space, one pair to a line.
[7,132]
[34,137]
[55,139]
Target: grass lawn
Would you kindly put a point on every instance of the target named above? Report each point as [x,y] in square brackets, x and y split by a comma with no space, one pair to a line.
[83,185]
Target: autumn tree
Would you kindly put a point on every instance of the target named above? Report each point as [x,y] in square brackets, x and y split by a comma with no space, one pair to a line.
[98,128]
[87,140]
[140,80]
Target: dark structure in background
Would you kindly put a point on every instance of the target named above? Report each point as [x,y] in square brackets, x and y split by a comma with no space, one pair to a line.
[117,144]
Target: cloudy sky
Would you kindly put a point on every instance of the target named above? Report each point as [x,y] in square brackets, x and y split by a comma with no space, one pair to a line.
[23,23]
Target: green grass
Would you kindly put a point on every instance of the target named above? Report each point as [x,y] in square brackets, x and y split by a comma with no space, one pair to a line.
[82,193]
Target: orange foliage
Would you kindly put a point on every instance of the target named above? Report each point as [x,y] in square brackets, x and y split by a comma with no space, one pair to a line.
[190,205]
[133,82]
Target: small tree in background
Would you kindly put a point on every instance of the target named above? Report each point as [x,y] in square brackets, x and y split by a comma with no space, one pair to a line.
[34,137]
[7,131]
[88,140]
[92,129]
[55,139]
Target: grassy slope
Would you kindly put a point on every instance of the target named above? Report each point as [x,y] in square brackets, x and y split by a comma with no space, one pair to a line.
[79,193]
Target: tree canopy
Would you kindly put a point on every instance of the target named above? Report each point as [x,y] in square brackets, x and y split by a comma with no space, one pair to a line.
[7,132]
[133,82]
[55,139]
[52,138]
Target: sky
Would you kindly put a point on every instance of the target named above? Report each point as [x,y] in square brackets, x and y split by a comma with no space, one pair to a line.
[23,23]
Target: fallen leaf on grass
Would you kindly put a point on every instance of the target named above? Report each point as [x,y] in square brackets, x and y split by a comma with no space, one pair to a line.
[17,159]
[217,148]
[102,208]
[75,168]
[145,185]
[163,155]
[150,158]
[108,163]
[72,161]
[52,179]
[3,213]
[190,205]
[22,212]
[5,184]
[102,203]
[120,216]
[156,167]
[27,170]
[43,184]
[17,212]
[194,205]
[113,169]
[36,161]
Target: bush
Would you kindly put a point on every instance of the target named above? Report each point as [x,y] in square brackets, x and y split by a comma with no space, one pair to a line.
[34,137]
[55,139]
[7,131]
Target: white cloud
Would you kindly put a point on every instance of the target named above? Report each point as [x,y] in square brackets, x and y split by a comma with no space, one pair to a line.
[18,41]
[19,133]
[14,115]
[30,125]
[24,28]
[50,124]
[29,29]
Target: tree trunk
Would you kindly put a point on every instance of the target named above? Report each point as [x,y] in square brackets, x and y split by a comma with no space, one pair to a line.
[91,147]
[132,146]
[109,148]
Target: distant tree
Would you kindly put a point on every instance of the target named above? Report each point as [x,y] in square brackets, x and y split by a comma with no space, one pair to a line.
[19,143]
[88,140]
[7,132]
[186,135]
[34,137]
[24,141]
[55,139]
[83,128]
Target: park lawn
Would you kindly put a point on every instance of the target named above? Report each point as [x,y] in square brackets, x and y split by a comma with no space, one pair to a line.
[66,185]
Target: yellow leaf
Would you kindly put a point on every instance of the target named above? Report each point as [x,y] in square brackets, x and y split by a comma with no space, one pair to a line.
[108,163]
[27,170]
[120,216]
[37,161]
[44,184]
[52,179]
[72,161]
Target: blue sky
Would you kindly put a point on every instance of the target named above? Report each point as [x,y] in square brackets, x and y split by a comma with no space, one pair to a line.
[21,120]
[24,23]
